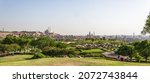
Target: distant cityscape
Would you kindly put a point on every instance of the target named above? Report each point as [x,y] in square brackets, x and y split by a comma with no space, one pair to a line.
[58,36]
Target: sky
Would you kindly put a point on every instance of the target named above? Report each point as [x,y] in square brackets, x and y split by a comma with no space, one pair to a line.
[75,17]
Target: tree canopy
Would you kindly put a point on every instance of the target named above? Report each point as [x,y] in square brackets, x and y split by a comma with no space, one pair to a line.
[146,28]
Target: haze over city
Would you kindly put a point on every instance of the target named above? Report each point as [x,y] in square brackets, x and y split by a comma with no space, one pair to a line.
[77,17]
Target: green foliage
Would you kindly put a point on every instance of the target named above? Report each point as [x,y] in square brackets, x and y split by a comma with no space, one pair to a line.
[14,47]
[146,28]
[98,43]
[139,46]
[143,48]
[2,48]
[35,50]
[126,50]
[10,40]
[57,52]
[137,57]
[61,45]
[38,55]
[42,42]
[146,53]
[9,47]
[22,41]
[71,55]
[137,50]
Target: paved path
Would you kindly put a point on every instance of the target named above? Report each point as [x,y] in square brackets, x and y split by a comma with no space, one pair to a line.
[110,55]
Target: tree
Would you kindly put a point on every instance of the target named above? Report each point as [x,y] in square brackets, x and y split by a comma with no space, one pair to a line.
[139,46]
[10,40]
[146,53]
[24,43]
[2,48]
[126,50]
[15,47]
[61,45]
[38,55]
[137,57]
[143,49]
[57,52]
[146,28]
[42,42]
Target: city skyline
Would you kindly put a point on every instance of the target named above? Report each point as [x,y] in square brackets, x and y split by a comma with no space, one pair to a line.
[75,17]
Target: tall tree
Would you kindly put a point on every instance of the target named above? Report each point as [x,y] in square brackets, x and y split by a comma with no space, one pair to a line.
[143,49]
[42,42]
[146,53]
[126,50]
[10,40]
[24,43]
[146,28]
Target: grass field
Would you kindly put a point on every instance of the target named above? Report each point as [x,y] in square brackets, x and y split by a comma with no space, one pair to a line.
[24,60]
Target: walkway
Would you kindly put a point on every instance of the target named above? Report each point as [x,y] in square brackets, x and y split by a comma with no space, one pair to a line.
[110,55]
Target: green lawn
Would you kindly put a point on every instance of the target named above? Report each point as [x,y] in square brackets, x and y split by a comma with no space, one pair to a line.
[92,51]
[24,60]
[14,58]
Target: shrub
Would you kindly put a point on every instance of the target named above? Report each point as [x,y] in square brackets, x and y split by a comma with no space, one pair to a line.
[35,50]
[71,55]
[137,57]
[38,55]
[58,52]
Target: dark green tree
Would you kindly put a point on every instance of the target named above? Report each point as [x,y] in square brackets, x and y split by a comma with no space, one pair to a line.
[143,49]
[9,48]
[146,28]
[42,42]
[10,40]
[146,53]
[139,46]
[126,50]
[24,43]
[61,45]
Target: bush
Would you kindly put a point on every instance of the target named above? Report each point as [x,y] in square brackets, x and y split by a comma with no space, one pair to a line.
[71,55]
[38,55]
[137,57]
[57,52]
[35,50]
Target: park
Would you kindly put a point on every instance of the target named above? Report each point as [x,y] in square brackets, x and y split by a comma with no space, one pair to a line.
[44,50]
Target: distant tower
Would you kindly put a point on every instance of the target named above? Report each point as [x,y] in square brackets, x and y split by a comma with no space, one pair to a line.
[89,33]
[3,29]
[133,35]
[49,29]
[94,33]
[116,37]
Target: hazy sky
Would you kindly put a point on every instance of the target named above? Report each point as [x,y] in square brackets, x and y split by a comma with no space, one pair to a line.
[104,17]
